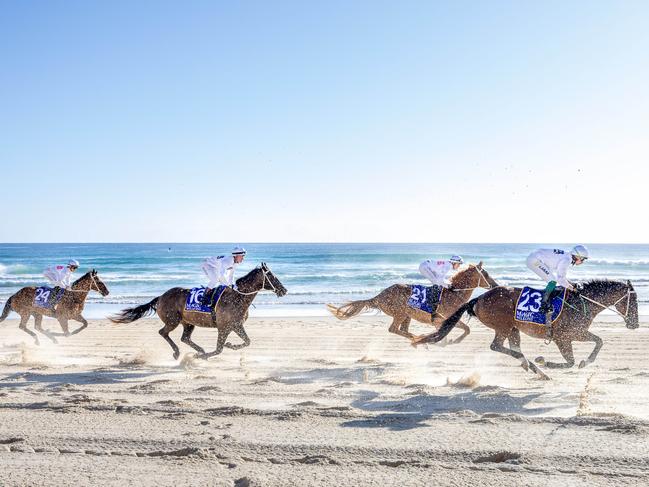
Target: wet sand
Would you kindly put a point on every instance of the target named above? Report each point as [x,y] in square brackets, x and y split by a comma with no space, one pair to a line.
[315,401]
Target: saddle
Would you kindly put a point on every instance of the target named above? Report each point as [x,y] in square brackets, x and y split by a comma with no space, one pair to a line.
[47,297]
[425,298]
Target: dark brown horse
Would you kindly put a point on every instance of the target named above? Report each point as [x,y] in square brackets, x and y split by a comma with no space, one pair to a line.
[393,301]
[231,311]
[495,309]
[68,308]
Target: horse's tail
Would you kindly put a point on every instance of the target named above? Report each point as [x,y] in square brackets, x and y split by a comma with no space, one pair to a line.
[6,310]
[129,315]
[353,308]
[448,324]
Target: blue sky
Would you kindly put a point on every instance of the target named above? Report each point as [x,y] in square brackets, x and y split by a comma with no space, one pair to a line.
[324,121]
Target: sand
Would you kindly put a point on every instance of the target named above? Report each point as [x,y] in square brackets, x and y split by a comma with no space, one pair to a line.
[315,401]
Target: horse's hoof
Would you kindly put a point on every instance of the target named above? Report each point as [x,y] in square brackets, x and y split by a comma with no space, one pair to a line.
[542,376]
[525,364]
[583,364]
[176,355]
[540,360]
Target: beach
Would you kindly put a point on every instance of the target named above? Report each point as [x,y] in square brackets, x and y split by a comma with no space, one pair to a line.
[316,401]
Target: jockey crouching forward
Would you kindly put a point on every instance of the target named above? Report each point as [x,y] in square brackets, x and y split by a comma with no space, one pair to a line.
[60,277]
[220,271]
[436,271]
[552,265]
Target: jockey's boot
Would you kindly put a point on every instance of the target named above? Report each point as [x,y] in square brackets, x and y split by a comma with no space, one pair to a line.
[207,295]
[214,316]
[546,307]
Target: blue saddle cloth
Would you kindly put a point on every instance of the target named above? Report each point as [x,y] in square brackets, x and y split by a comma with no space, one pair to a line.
[45,297]
[529,303]
[425,298]
[196,302]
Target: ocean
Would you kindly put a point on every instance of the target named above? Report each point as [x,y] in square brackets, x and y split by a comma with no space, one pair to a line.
[313,273]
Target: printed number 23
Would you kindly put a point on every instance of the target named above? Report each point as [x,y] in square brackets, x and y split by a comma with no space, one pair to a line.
[531,302]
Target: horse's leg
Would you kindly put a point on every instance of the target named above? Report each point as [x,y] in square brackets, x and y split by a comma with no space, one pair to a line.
[514,340]
[565,347]
[405,325]
[164,333]
[465,328]
[187,338]
[84,324]
[64,326]
[220,342]
[239,330]
[498,346]
[23,327]
[38,320]
[395,327]
[590,337]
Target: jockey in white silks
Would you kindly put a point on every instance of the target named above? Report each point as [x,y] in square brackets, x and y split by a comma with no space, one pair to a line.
[436,271]
[61,276]
[552,266]
[220,270]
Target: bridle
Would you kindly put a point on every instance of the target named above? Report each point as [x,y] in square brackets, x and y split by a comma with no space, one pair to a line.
[481,276]
[263,284]
[612,307]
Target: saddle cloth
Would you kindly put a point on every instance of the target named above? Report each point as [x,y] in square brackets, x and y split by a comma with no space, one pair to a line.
[47,297]
[196,299]
[529,303]
[425,298]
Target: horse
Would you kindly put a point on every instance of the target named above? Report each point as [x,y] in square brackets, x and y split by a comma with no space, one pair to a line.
[393,301]
[495,309]
[69,307]
[231,311]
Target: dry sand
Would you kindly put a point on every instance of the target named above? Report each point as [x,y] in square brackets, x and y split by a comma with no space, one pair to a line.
[315,401]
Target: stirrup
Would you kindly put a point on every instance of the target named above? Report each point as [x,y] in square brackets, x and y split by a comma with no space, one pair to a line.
[214,315]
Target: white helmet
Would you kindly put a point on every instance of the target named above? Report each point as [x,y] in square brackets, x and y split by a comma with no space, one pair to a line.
[73,263]
[456,259]
[580,251]
[238,251]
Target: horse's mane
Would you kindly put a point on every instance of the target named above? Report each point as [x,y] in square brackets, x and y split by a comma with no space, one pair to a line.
[244,279]
[81,278]
[460,274]
[600,286]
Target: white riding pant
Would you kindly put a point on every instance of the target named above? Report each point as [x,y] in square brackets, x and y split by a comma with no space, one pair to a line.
[426,271]
[212,275]
[540,268]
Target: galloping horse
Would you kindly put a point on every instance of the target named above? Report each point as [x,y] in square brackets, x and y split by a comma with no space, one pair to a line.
[495,308]
[393,301]
[232,311]
[69,306]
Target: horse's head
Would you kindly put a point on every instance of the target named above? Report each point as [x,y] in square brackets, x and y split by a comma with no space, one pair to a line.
[618,294]
[271,283]
[473,276]
[97,284]
[628,307]
[90,282]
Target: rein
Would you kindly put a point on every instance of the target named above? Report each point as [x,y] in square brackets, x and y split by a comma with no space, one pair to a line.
[628,303]
[480,278]
[263,284]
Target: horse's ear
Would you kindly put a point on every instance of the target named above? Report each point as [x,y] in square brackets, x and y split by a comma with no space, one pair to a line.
[94,272]
[479,266]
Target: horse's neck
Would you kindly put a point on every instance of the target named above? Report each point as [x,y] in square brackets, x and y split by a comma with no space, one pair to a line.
[463,286]
[249,284]
[80,292]
[605,297]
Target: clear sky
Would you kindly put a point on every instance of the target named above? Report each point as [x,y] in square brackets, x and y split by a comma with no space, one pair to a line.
[324,121]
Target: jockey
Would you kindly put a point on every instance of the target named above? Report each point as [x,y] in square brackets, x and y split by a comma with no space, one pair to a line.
[61,276]
[220,270]
[437,270]
[551,265]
